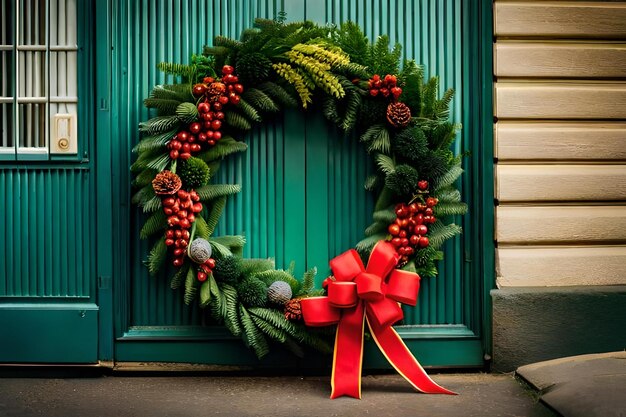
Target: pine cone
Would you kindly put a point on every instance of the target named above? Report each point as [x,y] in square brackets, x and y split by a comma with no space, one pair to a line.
[166,182]
[293,309]
[398,114]
[215,89]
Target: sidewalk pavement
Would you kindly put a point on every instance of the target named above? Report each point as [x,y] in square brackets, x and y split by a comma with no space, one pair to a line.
[481,395]
[579,386]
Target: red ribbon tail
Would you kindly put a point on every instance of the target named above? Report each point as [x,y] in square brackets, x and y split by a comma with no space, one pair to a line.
[399,356]
[348,355]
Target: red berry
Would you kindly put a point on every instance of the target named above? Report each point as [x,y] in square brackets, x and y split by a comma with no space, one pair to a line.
[234,99]
[428,212]
[211,142]
[402,234]
[227,69]
[217,135]
[178,234]
[202,137]
[178,262]
[199,89]
[191,218]
[169,202]
[223,100]
[431,201]
[217,106]
[238,88]
[174,154]
[402,250]
[184,223]
[183,243]
[182,214]
[405,241]
[384,92]
[168,211]
[194,195]
[227,79]
[208,80]
[401,212]
[373,92]
[195,128]
[186,147]
[179,251]
[414,239]
[423,242]
[207,117]
[394,229]
[204,107]
[396,91]
[209,133]
[396,241]
[207,125]
[183,136]
[197,207]
[409,251]
[172,221]
[376,77]
[185,155]
[202,276]
[169,233]
[413,208]
[216,124]
[387,79]
[169,242]
[219,115]
[422,185]
[182,194]
[420,229]
[175,144]
[210,263]
[195,147]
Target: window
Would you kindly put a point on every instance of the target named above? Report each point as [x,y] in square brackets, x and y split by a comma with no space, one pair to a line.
[38,88]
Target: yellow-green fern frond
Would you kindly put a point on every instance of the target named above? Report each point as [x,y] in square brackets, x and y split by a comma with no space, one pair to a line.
[292,76]
[333,57]
[319,73]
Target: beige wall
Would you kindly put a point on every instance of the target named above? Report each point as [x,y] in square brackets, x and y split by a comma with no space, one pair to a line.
[560,142]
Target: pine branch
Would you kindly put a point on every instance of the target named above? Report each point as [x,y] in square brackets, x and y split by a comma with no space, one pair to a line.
[385,163]
[202,229]
[376,228]
[448,178]
[251,267]
[179,276]
[449,209]
[163,105]
[226,146]
[187,112]
[438,233]
[231,242]
[178,92]
[156,223]
[221,250]
[368,243]
[215,214]
[144,178]
[377,139]
[154,142]
[159,124]
[386,216]
[205,294]
[308,282]
[190,286]
[268,277]
[371,182]
[231,312]
[157,256]
[252,336]
[278,94]
[237,120]
[212,191]
[152,205]
[260,100]
[250,112]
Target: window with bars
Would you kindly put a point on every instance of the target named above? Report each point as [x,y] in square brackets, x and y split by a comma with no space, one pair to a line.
[38,88]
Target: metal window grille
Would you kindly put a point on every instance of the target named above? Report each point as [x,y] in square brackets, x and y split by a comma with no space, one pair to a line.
[38,88]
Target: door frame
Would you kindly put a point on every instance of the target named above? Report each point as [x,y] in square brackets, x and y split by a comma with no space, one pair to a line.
[117,341]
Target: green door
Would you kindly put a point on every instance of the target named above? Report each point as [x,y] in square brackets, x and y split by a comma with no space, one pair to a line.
[299,200]
[48,293]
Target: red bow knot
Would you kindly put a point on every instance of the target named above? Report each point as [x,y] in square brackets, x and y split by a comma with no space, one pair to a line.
[371,295]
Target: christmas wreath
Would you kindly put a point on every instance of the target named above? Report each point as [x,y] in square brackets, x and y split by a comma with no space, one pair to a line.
[201,120]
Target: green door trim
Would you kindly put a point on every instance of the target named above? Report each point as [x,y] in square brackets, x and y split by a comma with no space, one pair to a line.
[104,179]
[163,343]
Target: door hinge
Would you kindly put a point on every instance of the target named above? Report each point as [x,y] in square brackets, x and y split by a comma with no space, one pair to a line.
[104,283]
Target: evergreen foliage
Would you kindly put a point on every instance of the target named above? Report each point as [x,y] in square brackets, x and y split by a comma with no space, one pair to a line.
[281,65]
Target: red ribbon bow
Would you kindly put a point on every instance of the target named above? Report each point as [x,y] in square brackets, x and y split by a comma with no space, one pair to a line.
[369,295]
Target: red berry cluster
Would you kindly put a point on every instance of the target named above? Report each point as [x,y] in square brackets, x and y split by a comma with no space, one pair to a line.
[181,210]
[385,87]
[217,94]
[205,269]
[408,231]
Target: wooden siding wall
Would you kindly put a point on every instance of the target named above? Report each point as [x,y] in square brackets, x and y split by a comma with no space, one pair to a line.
[560,142]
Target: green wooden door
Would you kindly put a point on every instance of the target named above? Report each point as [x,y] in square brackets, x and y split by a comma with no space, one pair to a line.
[301,197]
[48,292]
